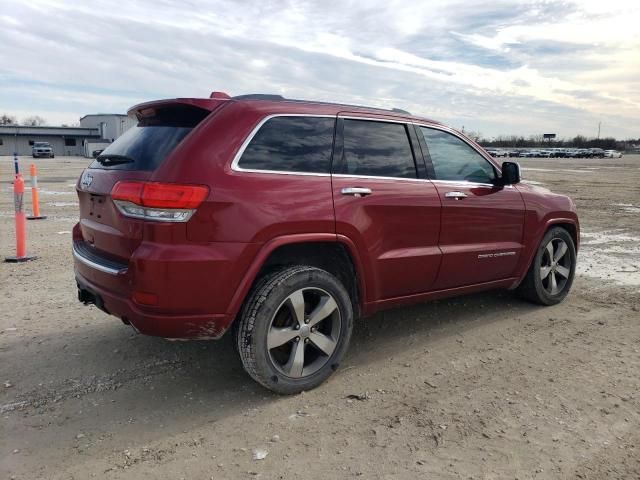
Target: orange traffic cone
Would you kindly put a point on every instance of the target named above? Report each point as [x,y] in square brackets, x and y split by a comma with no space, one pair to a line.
[35,200]
[21,231]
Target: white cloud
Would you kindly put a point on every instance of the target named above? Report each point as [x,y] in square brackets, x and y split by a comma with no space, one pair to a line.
[503,66]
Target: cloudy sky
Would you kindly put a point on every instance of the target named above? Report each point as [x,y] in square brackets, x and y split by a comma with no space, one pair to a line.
[498,67]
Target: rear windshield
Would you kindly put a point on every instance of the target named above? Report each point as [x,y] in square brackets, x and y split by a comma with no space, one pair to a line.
[145,146]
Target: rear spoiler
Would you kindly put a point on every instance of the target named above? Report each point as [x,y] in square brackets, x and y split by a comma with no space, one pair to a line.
[209,104]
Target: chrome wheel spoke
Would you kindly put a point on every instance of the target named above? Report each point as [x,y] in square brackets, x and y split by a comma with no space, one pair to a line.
[563,271]
[280,336]
[544,272]
[296,360]
[325,308]
[553,283]
[550,251]
[323,342]
[296,303]
[560,252]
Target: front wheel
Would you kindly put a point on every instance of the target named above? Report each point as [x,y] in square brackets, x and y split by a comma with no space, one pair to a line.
[294,329]
[551,273]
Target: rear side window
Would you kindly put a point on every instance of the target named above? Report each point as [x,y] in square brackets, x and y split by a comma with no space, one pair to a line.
[377,149]
[453,159]
[145,146]
[291,144]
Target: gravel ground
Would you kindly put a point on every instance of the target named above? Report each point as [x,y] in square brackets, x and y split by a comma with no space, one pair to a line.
[484,386]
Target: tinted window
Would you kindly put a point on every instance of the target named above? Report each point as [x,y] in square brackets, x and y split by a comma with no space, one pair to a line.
[145,146]
[377,149]
[291,144]
[454,159]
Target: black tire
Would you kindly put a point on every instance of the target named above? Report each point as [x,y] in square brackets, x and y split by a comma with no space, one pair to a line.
[533,287]
[266,304]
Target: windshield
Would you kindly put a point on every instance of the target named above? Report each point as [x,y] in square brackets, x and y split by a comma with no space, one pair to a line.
[145,146]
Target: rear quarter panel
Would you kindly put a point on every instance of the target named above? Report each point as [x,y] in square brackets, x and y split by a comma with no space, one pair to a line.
[246,209]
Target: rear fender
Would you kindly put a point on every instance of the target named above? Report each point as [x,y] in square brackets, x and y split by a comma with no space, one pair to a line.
[269,247]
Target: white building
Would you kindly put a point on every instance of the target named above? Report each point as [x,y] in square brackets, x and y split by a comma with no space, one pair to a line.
[110,125]
[95,132]
[64,140]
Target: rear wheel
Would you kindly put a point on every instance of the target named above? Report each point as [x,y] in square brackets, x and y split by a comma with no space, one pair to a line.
[551,273]
[294,329]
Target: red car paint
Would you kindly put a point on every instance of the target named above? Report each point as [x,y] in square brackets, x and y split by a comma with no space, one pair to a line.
[408,242]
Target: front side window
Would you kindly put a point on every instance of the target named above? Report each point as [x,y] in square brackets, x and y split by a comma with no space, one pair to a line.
[454,159]
[291,144]
[377,149]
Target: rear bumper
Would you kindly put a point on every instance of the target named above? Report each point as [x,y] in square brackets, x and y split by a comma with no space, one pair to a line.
[167,290]
[202,326]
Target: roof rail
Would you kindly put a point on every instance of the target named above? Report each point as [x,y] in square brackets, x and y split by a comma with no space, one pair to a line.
[275,97]
[259,96]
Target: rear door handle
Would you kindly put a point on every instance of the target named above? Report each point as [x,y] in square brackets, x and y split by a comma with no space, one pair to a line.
[356,191]
[456,195]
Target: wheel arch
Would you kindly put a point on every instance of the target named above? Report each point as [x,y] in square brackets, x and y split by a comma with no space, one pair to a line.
[323,250]
[569,223]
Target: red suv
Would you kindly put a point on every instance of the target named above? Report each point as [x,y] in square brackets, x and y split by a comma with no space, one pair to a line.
[285,220]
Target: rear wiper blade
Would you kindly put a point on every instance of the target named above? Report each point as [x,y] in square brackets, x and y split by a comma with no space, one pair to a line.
[113,159]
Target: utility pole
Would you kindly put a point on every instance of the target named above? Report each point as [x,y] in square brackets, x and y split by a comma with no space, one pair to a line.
[599,130]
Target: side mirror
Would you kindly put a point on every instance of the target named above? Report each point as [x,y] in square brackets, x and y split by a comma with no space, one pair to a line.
[510,173]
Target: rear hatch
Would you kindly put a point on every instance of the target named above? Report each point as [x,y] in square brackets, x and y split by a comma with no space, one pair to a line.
[132,158]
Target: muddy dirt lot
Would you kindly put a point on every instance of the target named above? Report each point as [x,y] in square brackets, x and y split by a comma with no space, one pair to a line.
[485,386]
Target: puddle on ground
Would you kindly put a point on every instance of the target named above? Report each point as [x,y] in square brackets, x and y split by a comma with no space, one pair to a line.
[627,207]
[63,204]
[610,255]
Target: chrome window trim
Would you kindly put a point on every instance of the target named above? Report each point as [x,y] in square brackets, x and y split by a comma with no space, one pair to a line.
[236,159]
[374,119]
[376,177]
[96,266]
[467,183]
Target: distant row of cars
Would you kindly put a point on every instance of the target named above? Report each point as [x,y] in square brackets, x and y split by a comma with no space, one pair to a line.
[556,153]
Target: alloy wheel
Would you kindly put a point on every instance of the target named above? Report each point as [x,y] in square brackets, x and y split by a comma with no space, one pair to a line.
[304,332]
[555,266]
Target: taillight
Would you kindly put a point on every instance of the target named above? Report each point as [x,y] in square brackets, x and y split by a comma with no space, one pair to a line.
[165,202]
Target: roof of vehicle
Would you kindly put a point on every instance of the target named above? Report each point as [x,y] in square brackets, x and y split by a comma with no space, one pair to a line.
[278,101]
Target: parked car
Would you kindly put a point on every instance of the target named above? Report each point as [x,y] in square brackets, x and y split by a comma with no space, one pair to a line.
[283,221]
[580,153]
[42,149]
[612,154]
[596,153]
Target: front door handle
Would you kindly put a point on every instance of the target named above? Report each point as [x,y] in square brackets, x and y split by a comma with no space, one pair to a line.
[456,195]
[356,191]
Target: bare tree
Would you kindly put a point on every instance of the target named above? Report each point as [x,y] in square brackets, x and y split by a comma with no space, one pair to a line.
[476,136]
[7,120]
[34,121]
